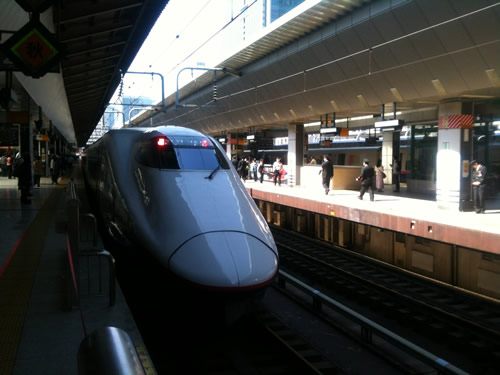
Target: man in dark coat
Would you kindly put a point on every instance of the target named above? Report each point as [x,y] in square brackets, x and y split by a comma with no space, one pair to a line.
[23,172]
[478,185]
[367,178]
[326,173]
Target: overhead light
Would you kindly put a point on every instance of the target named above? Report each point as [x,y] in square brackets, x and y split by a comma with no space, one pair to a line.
[365,117]
[335,105]
[327,130]
[362,100]
[438,86]
[493,76]
[262,118]
[276,115]
[292,112]
[388,123]
[471,96]
[309,124]
[310,107]
[396,94]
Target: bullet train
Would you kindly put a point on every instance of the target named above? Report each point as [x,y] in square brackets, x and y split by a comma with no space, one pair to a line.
[172,193]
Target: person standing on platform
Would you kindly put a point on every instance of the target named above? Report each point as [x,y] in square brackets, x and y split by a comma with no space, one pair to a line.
[277,167]
[367,178]
[261,170]
[9,164]
[326,173]
[253,169]
[243,168]
[38,170]
[23,173]
[396,174]
[379,176]
[478,185]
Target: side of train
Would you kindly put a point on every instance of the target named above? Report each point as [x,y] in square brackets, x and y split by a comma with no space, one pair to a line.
[172,192]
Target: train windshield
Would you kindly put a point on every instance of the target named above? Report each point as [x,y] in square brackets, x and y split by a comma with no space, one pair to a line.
[181,152]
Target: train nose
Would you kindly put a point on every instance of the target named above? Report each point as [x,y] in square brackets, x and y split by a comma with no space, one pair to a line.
[225,259]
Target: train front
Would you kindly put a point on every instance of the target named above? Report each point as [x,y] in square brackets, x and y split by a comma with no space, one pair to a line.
[198,220]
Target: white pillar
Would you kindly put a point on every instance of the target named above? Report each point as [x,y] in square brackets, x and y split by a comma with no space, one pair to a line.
[448,159]
[387,156]
[295,156]
[228,145]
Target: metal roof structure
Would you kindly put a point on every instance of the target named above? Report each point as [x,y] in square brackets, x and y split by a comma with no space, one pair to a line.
[351,61]
[98,39]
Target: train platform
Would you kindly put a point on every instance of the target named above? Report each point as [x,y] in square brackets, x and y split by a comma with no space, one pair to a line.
[400,212]
[40,333]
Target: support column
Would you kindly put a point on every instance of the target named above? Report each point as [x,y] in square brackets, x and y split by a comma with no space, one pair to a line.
[295,157]
[453,153]
[228,145]
[387,154]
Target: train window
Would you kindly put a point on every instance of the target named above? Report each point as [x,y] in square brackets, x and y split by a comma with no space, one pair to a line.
[180,152]
[200,156]
[157,153]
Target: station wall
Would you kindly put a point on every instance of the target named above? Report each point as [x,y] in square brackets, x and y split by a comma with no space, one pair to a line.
[469,269]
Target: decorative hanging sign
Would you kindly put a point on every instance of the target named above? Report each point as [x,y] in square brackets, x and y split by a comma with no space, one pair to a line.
[33,49]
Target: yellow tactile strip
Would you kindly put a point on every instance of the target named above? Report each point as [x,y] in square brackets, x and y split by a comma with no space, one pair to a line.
[17,280]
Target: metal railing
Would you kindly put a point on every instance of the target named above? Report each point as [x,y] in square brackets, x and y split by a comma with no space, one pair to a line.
[92,255]
[368,328]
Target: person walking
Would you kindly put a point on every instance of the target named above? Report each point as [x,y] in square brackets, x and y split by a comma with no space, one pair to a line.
[326,173]
[478,185]
[277,167]
[367,178]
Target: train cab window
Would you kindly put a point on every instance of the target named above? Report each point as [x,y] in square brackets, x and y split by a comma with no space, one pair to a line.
[198,153]
[180,152]
[157,152]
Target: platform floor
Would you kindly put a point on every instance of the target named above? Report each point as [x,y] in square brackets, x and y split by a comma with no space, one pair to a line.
[399,209]
[37,334]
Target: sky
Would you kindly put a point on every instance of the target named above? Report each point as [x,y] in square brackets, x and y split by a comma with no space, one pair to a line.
[184,35]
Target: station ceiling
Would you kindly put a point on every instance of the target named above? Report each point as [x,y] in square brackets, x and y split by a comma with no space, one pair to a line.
[98,40]
[416,54]
[342,56]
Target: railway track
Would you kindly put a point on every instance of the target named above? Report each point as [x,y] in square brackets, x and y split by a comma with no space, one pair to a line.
[184,335]
[462,324]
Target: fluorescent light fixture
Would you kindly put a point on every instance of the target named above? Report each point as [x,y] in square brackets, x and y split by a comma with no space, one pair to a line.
[396,94]
[327,130]
[492,76]
[362,100]
[438,86]
[366,117]
[388,123]
[309,124]
[335,105]
[276,115]
[292,112]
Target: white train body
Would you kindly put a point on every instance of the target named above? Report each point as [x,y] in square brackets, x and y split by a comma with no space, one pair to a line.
[172,192]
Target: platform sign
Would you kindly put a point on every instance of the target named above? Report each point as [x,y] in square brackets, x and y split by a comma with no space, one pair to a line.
[33,49]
